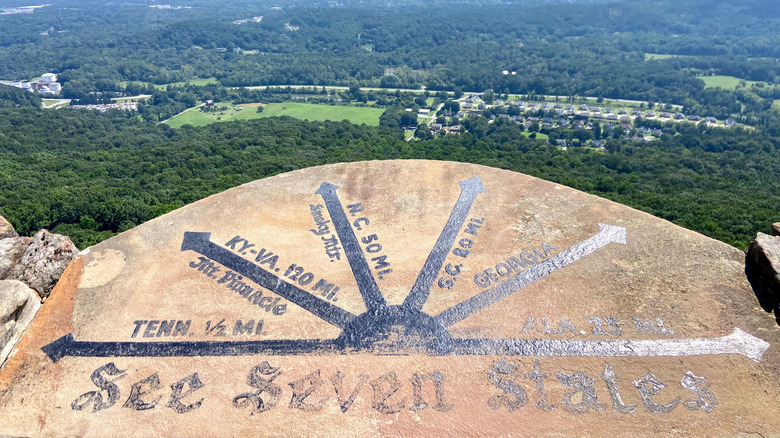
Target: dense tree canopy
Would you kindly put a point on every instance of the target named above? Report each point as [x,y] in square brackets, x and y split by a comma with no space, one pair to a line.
[89,175]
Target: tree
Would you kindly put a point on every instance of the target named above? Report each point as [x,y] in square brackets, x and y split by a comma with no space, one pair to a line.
[408,119]
[452,106]
[422,132]
[489,96]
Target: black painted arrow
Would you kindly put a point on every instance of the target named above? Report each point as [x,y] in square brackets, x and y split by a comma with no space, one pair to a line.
[372,296]
[469,190]
[738,342]
[201,243]
[67,346]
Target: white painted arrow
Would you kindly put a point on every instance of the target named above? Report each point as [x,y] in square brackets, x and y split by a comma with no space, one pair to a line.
[738,342]
[464,309]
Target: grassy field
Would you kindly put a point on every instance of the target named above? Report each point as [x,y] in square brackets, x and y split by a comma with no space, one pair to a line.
[129,99]
[725,82]
[196,117]
[313,112]
[539,135]
[306,111]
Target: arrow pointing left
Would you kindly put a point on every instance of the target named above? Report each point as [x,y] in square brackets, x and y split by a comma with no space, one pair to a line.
[67,346]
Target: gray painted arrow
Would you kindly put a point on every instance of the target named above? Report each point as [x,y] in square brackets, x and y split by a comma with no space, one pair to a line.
[738,342]
[469,190]
[372,296]
[464,309]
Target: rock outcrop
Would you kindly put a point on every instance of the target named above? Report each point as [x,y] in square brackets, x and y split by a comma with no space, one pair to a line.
[18,306]
[6,229]
[399,298]
[44,261]
[762,266]
[776,229]
[11,251]
[29,269]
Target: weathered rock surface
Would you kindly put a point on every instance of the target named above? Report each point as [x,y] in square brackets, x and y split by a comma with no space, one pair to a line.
[776,229]
[18,306]
[399,298]
[6,229]
[763,269]
[44,261]
[37,261]
[11,251]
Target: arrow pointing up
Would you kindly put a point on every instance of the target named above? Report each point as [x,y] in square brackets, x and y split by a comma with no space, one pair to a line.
[372,296]
[469,190]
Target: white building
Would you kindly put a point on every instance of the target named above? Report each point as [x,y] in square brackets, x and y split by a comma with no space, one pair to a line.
[48,78]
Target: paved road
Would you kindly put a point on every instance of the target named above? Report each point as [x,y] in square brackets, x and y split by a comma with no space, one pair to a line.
[188,109]
[57,103]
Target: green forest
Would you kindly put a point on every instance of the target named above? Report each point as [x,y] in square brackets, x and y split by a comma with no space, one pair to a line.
[90,175]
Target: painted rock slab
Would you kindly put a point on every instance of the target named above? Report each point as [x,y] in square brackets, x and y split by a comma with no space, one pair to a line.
[399,298]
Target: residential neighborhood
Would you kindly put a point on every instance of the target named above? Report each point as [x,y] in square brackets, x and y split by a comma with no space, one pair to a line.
[540,117]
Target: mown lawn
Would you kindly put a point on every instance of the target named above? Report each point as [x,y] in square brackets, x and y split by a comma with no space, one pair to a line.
[306,111]
[725,82]
[129,99]
[314,112]
[196,117]
[539,135]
